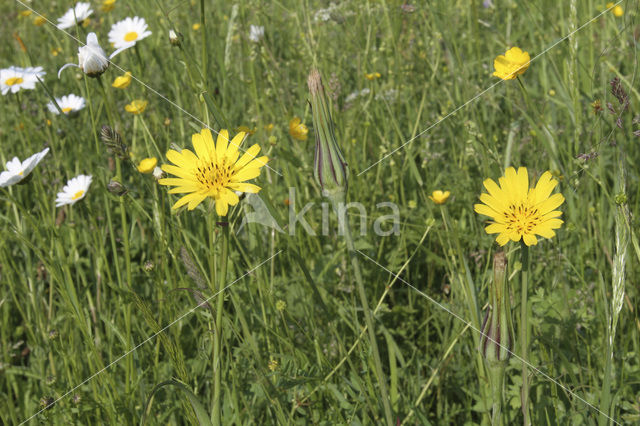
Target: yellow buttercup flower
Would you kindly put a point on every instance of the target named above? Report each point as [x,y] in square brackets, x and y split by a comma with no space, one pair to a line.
[25,13]
[137,106]
[147,165]
[213,171]
[123,81]
[439,197]
[38,21]
[108,5]
[372,76]
[195,26]
[510,65]
[617,11]
[297,129]
[519,212]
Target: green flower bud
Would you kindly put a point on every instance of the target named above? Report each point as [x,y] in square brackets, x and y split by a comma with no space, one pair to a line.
[496,342]
[330,169]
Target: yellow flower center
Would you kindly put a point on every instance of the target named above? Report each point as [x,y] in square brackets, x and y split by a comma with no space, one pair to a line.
[13,80]
[78,195]
[131,36]
[214,176]
[66,109]
[21,172]
[521,218]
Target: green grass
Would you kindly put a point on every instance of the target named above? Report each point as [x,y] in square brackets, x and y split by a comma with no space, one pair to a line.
[82,285]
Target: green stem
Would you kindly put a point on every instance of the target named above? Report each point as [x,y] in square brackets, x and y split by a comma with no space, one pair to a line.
[496,374]
[524,339]
[367,313]
[217,336]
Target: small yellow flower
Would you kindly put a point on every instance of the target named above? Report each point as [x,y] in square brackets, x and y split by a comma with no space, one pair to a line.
[297,129]
[196,26]
[137,106]
[439,197]
[617,11]
[245,129]
[108,5]
[273,364]
[519,212]
[86,23]
[38,21]
[55,51]
[552,92]
[269,127]
[123,81]
[412,204]
[372,76]
[510,65]
[147,165]
[25,13]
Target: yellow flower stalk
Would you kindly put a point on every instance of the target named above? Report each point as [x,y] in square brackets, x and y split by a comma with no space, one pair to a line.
[122,81]
[297,129]
[519,212]
[510,65]
[213,171]
[439,197]
[137,106]
[147,165]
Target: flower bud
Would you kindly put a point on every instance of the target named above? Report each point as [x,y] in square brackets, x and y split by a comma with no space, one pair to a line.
[92,59]
[116,188]
[175,38]
[330,169]
[496,342]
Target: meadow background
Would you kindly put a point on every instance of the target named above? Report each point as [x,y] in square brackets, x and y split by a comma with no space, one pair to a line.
[83,284]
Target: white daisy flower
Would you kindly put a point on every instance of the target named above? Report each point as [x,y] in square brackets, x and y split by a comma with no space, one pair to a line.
[256,33]
[74,190]
[18,170]
[68,104]
[79,12]
[91,57]
[126,33]
[13,79]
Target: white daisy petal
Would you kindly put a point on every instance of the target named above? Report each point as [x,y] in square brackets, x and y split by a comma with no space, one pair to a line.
[128,32]
[74,191]
[18,170]
[13,79]
[69,104]
[79,12]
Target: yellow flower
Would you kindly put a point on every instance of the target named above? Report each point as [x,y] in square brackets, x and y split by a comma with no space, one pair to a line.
[214,171]
[245,129]
[123,81]
[147,165]
[195,26]
[136,106]
[38,21]
[439,197]
[273,364]
[25,13]
[512,64]
[372,76]
[56,50]
[269,127]
[108,5]
[297,129]
[520,212]
[618,11]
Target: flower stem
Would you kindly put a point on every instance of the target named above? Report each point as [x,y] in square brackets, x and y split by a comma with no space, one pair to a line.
[355,264]
[217,331]
[524,339]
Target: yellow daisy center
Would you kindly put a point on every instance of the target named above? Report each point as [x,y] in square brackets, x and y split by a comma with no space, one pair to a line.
[13,80]
[78,195]
[521,218]
[214,176]
[131,36]
[21,172]
[66,109]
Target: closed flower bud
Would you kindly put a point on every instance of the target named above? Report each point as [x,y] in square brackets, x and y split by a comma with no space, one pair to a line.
[175,38]
[116,188]
[496,342]
[330,169]
[92,59]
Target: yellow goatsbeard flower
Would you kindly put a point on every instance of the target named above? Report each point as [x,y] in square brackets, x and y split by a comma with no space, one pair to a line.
[214,171]
[510,65]
[520,212]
